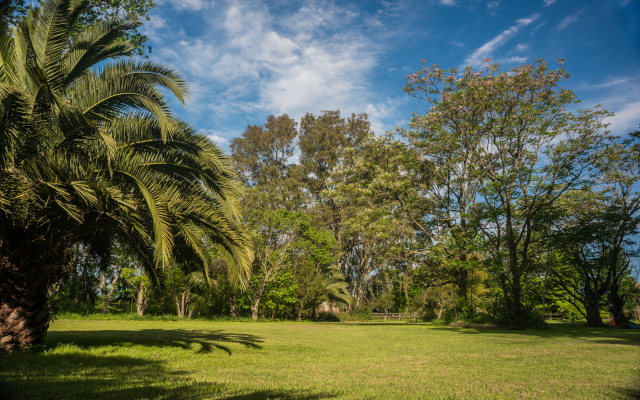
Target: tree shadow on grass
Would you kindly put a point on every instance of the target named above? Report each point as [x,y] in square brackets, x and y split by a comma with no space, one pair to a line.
[74,374]
[411,323]
[600,335]
[178,338]
[629,393]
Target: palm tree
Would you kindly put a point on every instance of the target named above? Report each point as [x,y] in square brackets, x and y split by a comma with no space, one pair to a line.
[89,152]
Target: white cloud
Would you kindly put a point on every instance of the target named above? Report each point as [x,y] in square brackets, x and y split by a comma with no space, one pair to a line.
[621,95]
[448,2]
[568,20]
[193,5]
[374,22]
[493,4]
[393,6]
[626,118]
[610,81]
[522,47]
[218,139]
[455,43]
[486,50]
[548,2]
[516,60]
[379,112]
[154,28]
[248,63]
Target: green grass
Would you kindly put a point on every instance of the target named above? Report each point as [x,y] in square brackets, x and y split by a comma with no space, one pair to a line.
[109,359]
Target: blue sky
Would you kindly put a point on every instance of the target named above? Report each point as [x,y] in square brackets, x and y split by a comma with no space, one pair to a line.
[245,60]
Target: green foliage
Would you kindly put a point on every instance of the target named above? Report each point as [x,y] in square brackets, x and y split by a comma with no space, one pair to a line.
[527,316]
[14,11]
[105,157]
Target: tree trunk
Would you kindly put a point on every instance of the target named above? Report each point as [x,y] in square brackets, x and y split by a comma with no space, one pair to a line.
[233,312]
[254,309]
[256,300]
[405,283]
[188,310]
[300,311]
[592,304]
[24,314]
[142,301]
[180,305]
[593,315]
[616,305]
[103,293]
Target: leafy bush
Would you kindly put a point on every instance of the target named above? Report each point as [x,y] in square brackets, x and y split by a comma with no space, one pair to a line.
[428,315]
[328,317]
[569,310]
[513,317]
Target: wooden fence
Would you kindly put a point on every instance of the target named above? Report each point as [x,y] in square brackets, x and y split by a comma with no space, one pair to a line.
[555,316]
[386,316]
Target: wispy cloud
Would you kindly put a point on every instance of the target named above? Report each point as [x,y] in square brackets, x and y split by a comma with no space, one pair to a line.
[610,81]
[569,19]
[193,5]
[248,63]
[619,94]
[515,60]
[626,118]
[492,6]
[456,43]
[548,3]
[487,49]
[448,2]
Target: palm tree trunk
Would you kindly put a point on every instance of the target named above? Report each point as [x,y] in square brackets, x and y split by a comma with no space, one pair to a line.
[24,314]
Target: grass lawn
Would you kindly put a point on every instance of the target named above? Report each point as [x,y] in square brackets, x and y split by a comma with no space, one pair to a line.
[90,359]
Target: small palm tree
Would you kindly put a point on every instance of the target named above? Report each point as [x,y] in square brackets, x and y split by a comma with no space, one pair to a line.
[89,152]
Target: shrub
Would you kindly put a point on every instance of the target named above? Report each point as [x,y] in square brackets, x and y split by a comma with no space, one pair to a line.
[510,316]
[328,317]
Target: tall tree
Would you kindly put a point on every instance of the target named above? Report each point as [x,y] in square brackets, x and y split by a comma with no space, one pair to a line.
[323,140]
[596,228]
[525,149]
[261,155]
[276,233]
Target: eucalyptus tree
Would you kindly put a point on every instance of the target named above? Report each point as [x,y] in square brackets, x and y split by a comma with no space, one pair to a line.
[89,151]
[323,141]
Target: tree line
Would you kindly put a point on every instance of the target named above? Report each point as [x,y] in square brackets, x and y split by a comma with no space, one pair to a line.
[499,197]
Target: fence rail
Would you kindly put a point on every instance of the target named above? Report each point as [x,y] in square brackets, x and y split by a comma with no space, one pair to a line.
[555,316]
[386,316]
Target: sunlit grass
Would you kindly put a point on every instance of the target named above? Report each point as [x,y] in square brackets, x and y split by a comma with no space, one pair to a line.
[288,360]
